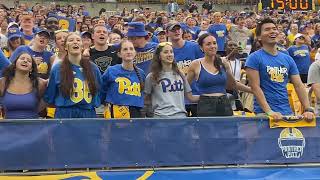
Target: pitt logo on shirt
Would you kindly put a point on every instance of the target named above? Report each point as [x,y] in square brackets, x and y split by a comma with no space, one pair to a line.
[277,74]
[167,86]
[125,86]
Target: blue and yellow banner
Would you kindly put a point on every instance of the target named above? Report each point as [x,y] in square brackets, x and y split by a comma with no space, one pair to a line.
[294,121]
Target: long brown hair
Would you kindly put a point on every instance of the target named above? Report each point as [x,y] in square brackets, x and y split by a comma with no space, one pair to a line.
[156,66]
[10,72]
[136,69]
[67,76]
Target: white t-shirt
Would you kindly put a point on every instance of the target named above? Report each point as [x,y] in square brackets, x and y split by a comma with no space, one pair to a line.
[236,69]
[317,57]
[3,41]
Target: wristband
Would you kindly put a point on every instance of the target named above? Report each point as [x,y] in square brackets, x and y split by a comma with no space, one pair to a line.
[309,109]
[269,112]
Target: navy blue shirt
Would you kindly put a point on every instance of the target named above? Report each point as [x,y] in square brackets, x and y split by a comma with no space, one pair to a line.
[301,56]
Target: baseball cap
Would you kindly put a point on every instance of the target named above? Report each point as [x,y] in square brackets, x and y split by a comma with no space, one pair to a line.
[86,33]
[43,31]
[14,32]
[298,36]
[172,25]
[13,24]
[158,31]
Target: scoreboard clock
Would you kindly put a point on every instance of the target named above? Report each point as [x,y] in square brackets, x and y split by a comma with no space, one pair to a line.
[298,5]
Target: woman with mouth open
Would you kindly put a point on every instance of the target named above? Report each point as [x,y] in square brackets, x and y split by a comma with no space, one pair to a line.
[74,83]
[21,90]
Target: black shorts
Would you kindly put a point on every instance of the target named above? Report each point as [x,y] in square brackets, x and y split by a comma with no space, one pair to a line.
[214,106]
[191,110]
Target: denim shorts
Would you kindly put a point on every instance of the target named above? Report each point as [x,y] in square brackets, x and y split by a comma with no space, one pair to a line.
[214,106]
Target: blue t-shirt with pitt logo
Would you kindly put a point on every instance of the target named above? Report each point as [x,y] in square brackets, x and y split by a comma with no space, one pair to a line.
[122,87]
[274,72]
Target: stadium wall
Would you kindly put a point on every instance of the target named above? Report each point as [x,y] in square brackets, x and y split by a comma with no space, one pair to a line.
[94,8]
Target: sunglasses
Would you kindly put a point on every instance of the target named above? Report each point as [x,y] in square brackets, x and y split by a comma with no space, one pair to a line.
[232,45]
[164,44]
[52,22]
[61,30]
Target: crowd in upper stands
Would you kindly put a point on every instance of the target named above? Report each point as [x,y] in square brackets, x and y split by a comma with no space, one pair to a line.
[58,61]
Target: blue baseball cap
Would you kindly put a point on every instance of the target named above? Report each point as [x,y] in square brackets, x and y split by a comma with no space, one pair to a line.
[14,33]
[136,29]
[43,31]
[86,33]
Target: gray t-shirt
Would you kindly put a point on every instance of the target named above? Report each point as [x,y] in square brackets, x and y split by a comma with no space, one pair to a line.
[314,77]
[168,95]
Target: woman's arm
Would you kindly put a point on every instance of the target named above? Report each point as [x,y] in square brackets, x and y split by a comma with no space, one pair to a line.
[42,88]
[243,88]
[148,105]
[191,75]
[192,98]
[2,84]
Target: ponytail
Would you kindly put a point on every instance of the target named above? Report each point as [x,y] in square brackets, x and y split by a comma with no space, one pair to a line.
[139,76]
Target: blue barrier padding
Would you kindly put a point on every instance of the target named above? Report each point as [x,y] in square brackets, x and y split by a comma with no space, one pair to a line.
[230,173]
[94,143]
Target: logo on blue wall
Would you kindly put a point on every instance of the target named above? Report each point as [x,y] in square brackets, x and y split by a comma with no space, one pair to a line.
[291,143]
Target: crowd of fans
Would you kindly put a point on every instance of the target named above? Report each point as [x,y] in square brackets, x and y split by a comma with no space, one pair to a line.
[57,61]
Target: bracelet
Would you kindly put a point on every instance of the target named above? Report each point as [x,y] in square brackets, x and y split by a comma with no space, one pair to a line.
[309,109]
[269,112]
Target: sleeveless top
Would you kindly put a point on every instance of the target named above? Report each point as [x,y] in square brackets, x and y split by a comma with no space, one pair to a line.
[20,106]
[209,83]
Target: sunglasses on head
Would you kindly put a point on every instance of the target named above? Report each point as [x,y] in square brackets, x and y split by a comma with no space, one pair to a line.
[61,30]
[164,44]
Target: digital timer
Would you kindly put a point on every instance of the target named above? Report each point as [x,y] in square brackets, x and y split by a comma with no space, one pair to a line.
[300,5]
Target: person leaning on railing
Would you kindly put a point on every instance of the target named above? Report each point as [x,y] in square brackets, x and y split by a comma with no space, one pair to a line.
[269,71]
